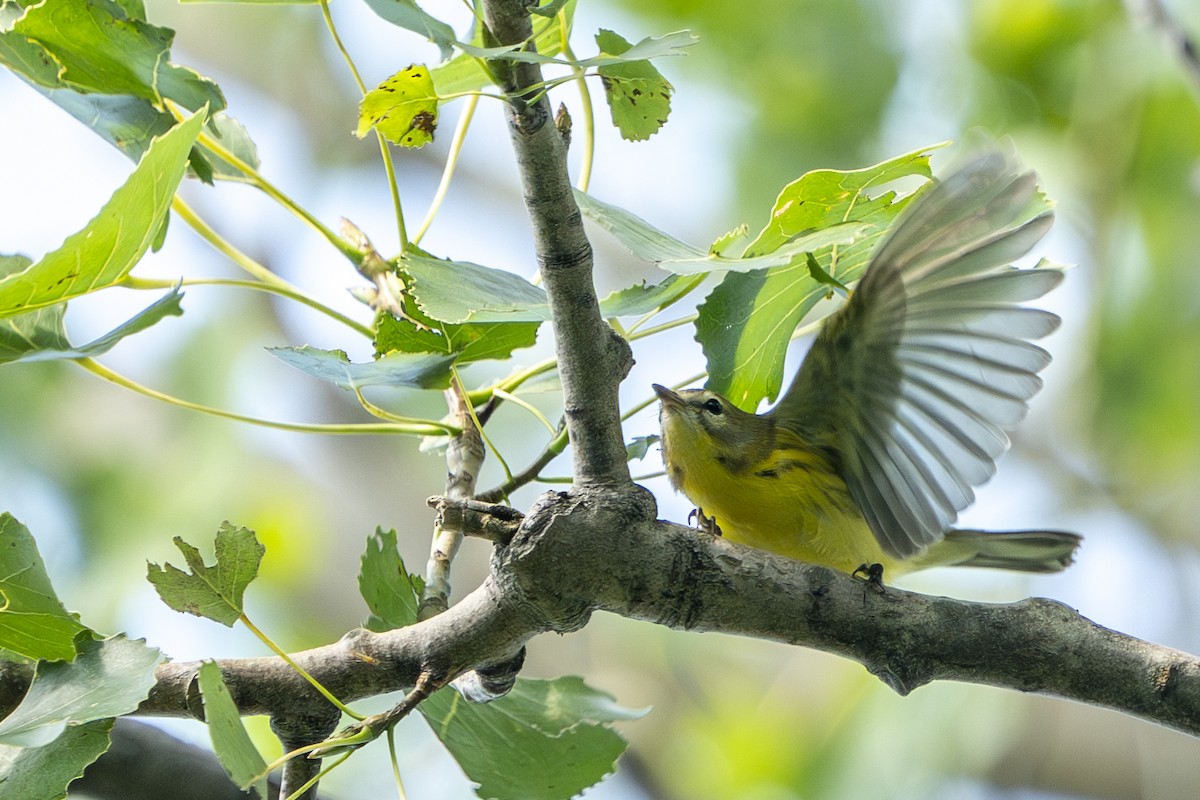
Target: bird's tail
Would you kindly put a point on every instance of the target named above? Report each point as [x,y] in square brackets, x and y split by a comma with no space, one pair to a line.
[1023,551]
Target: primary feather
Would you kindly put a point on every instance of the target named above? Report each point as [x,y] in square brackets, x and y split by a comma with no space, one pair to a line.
[914,382]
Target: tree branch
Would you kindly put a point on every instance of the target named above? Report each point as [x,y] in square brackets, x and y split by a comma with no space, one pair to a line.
[592,358]
[597,550]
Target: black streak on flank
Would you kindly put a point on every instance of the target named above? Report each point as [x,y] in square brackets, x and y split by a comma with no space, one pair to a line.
[782,467]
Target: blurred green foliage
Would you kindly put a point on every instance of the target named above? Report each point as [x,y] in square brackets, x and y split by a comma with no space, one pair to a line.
[1098,103]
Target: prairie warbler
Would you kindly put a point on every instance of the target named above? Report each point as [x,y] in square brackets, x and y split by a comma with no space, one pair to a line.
[900,407]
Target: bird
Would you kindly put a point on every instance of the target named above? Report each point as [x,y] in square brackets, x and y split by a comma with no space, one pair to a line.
[901,406]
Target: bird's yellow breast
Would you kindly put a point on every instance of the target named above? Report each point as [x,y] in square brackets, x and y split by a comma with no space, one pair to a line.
[792,502]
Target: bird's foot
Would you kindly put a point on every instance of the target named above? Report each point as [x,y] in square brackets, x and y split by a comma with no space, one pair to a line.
[704,523]
[872,575]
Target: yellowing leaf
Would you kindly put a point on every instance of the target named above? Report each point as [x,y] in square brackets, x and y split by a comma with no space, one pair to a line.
[403,108]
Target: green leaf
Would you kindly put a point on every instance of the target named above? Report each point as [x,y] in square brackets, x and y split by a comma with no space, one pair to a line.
[97,47]
[233,136]
[459,291]
[391,593]
[464,73]
[747,321]
[43,773]
[725,243]
[544,740]
[549,9]
[650,47]
[256,2]
[468,342]
[642,299]
[214,592]
[408,15]
[40,335]
[403,108]
[827,197]
[128,123]
[638,236]
[104,251]
[637,449]
[638,96]
[230,741]
[645,241]
[417,371]
[108,678]
[33,623]
[615,50]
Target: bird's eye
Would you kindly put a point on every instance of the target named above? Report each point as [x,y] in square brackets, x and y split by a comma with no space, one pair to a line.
[713,406]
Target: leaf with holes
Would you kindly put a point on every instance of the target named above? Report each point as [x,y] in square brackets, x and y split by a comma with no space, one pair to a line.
[638,96]
[403,108]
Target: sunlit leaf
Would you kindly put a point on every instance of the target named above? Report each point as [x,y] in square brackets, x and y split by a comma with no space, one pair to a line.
[544,740]
[213,591]
[471,341]
[826,197]
[98,47]
[403,108]
[33,623]
[645,241]
[747,321]
[411,370]
[642,299]
[108,678]
[108,247]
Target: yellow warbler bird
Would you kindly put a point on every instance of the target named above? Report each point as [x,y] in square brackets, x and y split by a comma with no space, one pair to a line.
[901,405]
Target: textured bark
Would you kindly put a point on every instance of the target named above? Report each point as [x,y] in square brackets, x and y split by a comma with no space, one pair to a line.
[598,549]
[592,358]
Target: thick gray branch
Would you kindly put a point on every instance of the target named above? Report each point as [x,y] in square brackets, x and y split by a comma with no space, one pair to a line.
[592,358]
[602,550]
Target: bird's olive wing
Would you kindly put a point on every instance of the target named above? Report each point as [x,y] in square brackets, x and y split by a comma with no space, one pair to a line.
[913,383]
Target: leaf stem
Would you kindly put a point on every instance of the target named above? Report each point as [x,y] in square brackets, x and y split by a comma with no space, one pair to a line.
[285,290]
[479,425]
[422,428]
[386,154]
[552,451]
[460,135]
[316,684]
[262,184]
[383,413]
[666,326]
[589,117]
[391,740]
[538,415]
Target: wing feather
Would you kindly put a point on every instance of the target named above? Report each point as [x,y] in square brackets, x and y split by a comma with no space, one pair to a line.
[915,382]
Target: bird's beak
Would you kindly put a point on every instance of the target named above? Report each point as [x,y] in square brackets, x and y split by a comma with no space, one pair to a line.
[668,398]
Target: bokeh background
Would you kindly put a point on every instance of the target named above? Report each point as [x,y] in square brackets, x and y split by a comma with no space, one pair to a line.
[1095,97]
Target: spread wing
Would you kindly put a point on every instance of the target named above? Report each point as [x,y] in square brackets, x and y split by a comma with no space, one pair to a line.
[913,383]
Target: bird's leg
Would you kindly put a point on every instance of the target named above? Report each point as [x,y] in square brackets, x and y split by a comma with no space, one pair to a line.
[704,523]
[872,574]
